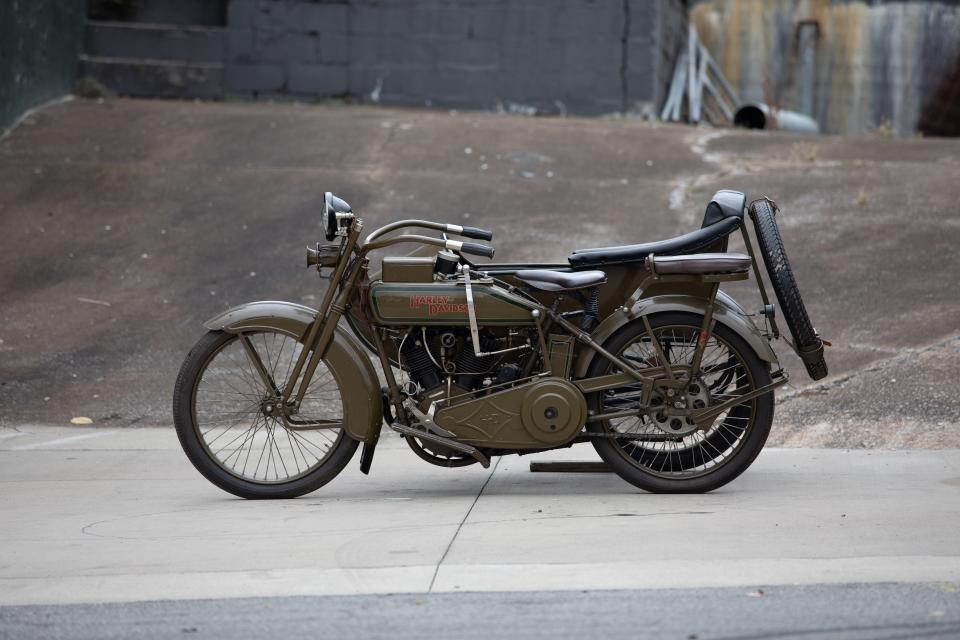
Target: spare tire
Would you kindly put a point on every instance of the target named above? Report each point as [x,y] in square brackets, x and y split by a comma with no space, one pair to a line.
[807,343]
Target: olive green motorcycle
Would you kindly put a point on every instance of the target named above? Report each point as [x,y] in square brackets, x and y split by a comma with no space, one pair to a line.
[632,348]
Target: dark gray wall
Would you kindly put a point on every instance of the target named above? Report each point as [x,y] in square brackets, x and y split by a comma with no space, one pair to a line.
[578,56]
[39,44]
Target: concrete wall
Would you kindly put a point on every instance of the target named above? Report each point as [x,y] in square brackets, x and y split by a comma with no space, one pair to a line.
[578,56]
[39,44]
[877,63]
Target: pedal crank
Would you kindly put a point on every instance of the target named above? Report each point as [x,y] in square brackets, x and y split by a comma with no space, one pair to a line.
[450,443]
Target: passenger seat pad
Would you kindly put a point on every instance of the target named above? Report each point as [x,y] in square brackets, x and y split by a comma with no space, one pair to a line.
[702,263]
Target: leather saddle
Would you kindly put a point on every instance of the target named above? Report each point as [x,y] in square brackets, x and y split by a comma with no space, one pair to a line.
[723,216]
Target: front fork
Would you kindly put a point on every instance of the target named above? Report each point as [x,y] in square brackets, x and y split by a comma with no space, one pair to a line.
[317,337]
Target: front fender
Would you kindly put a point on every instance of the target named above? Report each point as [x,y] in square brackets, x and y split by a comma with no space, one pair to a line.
[726,311]
[352,369]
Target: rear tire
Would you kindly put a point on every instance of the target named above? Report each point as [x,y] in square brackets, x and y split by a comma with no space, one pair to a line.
[734,441]
[785,286]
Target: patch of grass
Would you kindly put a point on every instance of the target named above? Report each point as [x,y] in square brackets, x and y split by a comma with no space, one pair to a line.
[861,199]
[884,129]
[87,87]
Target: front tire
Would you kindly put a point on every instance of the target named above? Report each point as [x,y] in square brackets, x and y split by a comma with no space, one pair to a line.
[219,411]
[653,457]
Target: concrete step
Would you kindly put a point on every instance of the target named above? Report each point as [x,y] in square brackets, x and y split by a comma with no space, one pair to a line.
[210,13]
[194,12]
[155,41]
[143,77]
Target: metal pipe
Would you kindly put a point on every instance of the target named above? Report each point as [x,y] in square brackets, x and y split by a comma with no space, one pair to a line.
[807,33]
[757,115]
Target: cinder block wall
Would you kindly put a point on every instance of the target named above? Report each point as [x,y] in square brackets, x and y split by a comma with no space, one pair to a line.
[577,56]
[39,44]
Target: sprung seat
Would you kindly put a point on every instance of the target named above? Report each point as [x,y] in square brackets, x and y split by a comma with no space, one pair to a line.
[723,216]
[561,280]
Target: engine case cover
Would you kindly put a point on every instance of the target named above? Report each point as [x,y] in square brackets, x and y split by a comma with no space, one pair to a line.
[545,412]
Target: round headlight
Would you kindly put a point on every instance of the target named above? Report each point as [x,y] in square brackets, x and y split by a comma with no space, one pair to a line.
[329,217]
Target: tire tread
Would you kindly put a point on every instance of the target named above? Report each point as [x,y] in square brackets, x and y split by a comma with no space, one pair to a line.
[196,453]
[785,285]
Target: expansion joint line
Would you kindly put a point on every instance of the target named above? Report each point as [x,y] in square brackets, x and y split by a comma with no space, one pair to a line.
[460,526]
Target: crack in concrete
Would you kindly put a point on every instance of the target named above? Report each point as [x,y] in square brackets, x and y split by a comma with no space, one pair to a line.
[677,199]
[26,115]
[460,526]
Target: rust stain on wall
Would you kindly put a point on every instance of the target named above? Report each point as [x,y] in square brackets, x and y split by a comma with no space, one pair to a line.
[876,65]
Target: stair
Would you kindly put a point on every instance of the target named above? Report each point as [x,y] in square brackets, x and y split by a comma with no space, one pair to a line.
[155,60]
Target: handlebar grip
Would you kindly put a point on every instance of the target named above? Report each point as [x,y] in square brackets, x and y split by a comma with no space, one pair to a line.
[477,249]
[477,233]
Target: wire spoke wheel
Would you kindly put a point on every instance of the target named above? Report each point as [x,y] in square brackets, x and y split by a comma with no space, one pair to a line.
[665,449]
[232,421]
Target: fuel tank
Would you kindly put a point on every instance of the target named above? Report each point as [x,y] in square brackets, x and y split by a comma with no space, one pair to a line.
[445,303]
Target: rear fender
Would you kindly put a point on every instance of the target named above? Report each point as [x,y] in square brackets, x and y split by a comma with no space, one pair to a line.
[345,357]
[726,312]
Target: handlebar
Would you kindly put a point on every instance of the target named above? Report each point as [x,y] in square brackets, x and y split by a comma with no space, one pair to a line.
[472,248]
[476,233]
[374,241]
[455,229]
[453,245]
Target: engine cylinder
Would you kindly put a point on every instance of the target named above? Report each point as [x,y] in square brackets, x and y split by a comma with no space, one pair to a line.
[468,362]
[421,367]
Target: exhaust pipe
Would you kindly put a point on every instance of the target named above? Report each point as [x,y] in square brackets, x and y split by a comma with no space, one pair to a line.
[756,115]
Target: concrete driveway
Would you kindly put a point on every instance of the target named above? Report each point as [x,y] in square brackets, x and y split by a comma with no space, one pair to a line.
[127,223]
[95,515]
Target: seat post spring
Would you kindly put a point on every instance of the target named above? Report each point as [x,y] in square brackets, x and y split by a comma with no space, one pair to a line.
[591,308]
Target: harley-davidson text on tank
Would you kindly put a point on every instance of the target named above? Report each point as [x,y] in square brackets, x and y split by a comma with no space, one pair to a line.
[436,305]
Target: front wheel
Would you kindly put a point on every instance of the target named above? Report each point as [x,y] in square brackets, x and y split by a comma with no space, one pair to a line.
[665,453]
[228,422]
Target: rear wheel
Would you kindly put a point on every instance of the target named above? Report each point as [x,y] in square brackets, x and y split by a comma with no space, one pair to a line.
[785,286]
[662,453]
[229,422]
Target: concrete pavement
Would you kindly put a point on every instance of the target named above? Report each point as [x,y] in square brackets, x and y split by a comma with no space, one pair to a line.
[103,515]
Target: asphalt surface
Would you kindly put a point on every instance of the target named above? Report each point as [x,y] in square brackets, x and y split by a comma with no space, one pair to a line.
[127,223]
[847,612]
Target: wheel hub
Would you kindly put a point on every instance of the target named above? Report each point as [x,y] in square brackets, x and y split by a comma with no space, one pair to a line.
[271,406]
[671,407]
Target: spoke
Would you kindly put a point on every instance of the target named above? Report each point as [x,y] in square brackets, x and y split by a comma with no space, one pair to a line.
[247,458]
[698,451]
[255,421]
[293,451]
[251,378]
[232,426]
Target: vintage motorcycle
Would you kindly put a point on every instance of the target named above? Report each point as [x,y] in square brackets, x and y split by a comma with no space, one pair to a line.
[631,348]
